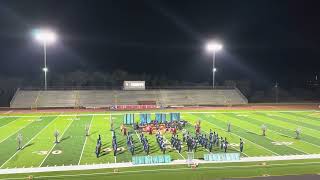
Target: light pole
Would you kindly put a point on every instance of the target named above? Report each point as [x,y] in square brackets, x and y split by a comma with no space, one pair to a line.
[45,37]
[213,47]
[277,93]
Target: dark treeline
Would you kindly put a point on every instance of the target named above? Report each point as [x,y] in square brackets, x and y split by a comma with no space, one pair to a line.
[114,80]
[83,79]
[80,79]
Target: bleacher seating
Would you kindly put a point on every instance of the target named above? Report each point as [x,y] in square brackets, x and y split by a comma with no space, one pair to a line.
[24,99]
[105,98]
[56,99]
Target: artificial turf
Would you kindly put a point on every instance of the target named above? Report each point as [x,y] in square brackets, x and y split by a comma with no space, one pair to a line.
[76,148]
[204,171]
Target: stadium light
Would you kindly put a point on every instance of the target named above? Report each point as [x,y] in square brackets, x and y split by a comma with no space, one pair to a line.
[213,47]
[45,37]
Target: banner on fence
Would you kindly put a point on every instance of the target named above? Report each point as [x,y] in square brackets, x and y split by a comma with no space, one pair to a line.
[134,107]
[222,157]
[151,159]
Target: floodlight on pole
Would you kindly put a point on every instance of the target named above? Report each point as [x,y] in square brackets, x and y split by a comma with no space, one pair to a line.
[45,37]
[213,47]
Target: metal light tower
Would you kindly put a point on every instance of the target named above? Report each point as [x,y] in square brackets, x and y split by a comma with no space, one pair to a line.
[45,37]
[277,92]
[213,47]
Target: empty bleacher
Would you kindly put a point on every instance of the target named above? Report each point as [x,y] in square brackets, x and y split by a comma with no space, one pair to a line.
[56,99]
[105,98]
[24,99]
[96,98]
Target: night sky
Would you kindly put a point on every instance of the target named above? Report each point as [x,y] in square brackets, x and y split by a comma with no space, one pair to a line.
[264,40]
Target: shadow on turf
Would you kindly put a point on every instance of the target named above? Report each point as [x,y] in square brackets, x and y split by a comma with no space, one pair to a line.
[65,138]
[121,152]
[104,153]
[286,136]
[28,145]
[254,133]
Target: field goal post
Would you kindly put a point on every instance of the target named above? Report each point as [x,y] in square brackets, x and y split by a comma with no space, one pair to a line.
[190,157]
[34,106]
[77,100]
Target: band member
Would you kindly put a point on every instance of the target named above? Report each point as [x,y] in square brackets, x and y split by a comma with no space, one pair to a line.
[241,145]
[225,145]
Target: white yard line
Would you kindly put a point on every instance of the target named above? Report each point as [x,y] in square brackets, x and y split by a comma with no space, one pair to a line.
[291,146]
[84,145]
[230,146]
[166,140]
[29,141]
[304,142]
[171,146]
[290,119]
[245,139]
[275,132]
[12,122]
[49,152]
[309,143]
[290,136]
[121,165]
[138,136]
[14,133]
[167,112]
[203,147]
[181,155]
[285,145]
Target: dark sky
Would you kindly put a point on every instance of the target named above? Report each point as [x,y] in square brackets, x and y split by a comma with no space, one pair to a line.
[264,40]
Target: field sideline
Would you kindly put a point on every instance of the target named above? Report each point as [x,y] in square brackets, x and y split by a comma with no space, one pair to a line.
[205,171]
[75,148]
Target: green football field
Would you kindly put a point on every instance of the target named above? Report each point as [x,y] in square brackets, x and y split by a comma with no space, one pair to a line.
[39,149]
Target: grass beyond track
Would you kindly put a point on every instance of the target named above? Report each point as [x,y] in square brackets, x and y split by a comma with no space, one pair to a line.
[39,149]
[204,171]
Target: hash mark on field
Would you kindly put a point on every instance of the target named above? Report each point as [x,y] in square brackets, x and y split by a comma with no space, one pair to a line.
[242,115]
[85,141]
[14,133]
[29,141]
[55,144]
[10,122]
